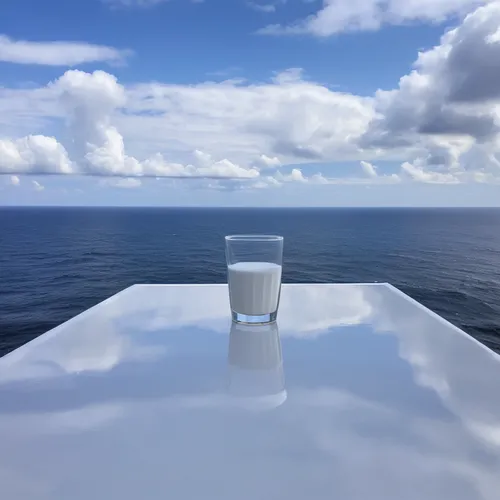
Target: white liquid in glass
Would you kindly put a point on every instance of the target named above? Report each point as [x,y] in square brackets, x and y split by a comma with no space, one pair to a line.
[254,287]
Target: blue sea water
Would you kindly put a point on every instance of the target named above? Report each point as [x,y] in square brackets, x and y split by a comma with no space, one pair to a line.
[57,262]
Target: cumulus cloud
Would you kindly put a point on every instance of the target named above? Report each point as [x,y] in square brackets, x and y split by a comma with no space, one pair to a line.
[15,180]
[446,111]
[295,175]
[224,118]
[58,53]
[289,118]
[89,101]
[207,167]
[34,154]
[336,16]
[441,123]
[451,89]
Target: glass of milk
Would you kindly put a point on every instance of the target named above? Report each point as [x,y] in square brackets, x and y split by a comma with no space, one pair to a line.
[254,264]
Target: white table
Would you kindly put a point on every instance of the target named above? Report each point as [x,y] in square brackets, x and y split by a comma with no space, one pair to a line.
[149,396]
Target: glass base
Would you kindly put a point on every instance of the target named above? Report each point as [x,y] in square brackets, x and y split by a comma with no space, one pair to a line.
[254,320]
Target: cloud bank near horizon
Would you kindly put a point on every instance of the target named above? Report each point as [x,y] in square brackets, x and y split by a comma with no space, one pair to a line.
[441,123]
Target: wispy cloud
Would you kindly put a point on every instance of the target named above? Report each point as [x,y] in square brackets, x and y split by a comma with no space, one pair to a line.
[133,3]
[37,186]
[58,53]
[262,7]
[337,16]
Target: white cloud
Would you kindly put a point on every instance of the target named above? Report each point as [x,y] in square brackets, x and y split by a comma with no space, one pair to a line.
[265,161]
[37,186]
[262,7]
[90,101]
[369,169]
[290,119]
[259,125]
[441,124]
[58,53]
[420,174]
[445,113]
[336,16]
[295,175]
[15,180]
[27,111]
[34,154]
[207,167]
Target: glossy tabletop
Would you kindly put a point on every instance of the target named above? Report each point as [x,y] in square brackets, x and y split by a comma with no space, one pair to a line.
[358,392]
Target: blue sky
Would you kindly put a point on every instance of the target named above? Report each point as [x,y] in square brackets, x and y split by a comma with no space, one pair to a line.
[184,42]
[231,102]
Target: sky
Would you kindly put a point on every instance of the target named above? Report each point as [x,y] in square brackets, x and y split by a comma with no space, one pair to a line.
[250,102]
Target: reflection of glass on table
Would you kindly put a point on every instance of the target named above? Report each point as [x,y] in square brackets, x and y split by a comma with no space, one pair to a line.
[256,375]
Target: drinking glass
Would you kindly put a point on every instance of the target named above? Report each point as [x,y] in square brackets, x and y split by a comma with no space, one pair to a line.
[254,264]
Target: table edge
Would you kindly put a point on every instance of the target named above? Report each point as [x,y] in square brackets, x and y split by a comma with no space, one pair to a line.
[11,356]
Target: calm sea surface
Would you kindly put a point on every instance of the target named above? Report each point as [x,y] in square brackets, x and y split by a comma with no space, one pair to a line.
[57,262]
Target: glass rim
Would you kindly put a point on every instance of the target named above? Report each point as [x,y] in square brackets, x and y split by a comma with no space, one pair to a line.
[254,237]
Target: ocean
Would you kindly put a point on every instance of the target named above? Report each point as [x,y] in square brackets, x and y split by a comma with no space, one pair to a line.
[57,262]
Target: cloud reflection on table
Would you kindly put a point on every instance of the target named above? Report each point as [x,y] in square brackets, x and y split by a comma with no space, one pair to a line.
[157,393]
